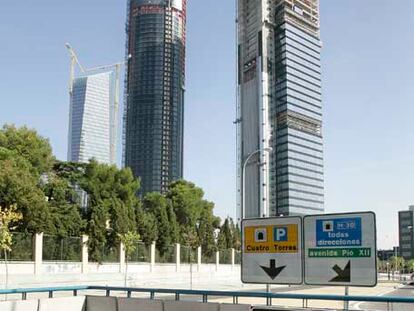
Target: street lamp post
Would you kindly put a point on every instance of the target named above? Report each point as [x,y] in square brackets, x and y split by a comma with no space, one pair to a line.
[388,270]
[244,187]
[244,177]
[410,229]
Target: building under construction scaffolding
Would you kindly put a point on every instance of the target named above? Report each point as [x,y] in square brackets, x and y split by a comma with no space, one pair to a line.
[154,107]
[279,108]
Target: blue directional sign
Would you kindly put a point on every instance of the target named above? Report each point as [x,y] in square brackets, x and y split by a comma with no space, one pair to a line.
[338,232]
[340,249]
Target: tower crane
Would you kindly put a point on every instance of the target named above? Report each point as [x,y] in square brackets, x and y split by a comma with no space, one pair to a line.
[73,61]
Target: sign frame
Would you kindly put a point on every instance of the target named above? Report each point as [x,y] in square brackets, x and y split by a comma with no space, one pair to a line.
[372,254]
[300,248]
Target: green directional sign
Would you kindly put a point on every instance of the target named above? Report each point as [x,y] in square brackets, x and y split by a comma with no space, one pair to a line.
[340,253]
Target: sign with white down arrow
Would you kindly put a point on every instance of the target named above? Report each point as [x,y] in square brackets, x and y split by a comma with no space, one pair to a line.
[272,250]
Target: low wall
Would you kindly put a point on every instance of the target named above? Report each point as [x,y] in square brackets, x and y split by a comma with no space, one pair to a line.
[21,274]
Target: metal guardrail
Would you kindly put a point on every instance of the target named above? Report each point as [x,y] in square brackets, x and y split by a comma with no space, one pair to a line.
[205,294]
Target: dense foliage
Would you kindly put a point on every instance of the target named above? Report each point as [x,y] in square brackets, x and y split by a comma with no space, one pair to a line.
[47,193]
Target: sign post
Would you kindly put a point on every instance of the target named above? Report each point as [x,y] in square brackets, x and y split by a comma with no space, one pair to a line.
[272,250]
[340,249]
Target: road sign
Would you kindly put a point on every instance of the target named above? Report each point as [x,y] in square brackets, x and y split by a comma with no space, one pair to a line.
[272,250]
[340,249]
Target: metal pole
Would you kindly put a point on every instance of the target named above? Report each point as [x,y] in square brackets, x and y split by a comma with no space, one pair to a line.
[396,259]
[388,270]
[244,182]
[346,302]
[244,178]
[269,300]
[191,272]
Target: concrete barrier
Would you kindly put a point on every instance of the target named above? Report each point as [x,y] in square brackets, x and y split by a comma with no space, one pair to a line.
[138,304]
[64,304]
[100,303]
[190,306]
[230,307]
[27,305]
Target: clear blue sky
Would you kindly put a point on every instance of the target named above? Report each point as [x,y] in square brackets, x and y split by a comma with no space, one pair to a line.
[368,83]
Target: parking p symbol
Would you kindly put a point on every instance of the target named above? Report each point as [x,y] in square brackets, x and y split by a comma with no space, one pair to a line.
[280,234]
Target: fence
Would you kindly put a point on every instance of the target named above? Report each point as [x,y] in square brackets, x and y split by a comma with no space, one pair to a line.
[46,248]
[61,249]
[225,256]
[237,259]
[142,253]
[22,248]
[110,253]
[209,258]
[165,256]
[187,254]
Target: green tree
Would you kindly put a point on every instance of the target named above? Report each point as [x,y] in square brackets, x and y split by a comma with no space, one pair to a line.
[122,219]
[186,200]
[397,263]
[173,223]
[410,265]
[72,172]
[206,230]
[236,234]
[65,215]
[225,237]
[20,187]
[157,204]
[191,240]
[97,217]
[26,143]
[129,240]
[111,205]
[146,225]
[8,216]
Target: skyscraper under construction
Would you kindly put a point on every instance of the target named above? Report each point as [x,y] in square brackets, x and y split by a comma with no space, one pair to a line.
[154,105]
[280,146]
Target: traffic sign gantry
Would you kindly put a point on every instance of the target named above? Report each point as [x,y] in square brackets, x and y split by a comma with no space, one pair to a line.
[340,249]
[272,250]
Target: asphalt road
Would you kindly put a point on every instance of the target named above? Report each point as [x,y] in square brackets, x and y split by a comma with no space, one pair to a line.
[406,291]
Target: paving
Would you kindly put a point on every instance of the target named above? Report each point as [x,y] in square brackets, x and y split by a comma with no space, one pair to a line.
[405,291]
[380,289]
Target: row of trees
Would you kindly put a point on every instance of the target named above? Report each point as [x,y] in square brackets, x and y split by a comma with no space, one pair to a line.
[396,264]
[46,192]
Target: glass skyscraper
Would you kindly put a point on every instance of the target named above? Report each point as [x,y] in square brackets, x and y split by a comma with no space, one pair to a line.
[154,105]
[279,108]
[92,124]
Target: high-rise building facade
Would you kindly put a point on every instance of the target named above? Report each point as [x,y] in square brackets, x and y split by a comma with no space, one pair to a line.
[406,233]
[279,108]
[154,106]
[92,124]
